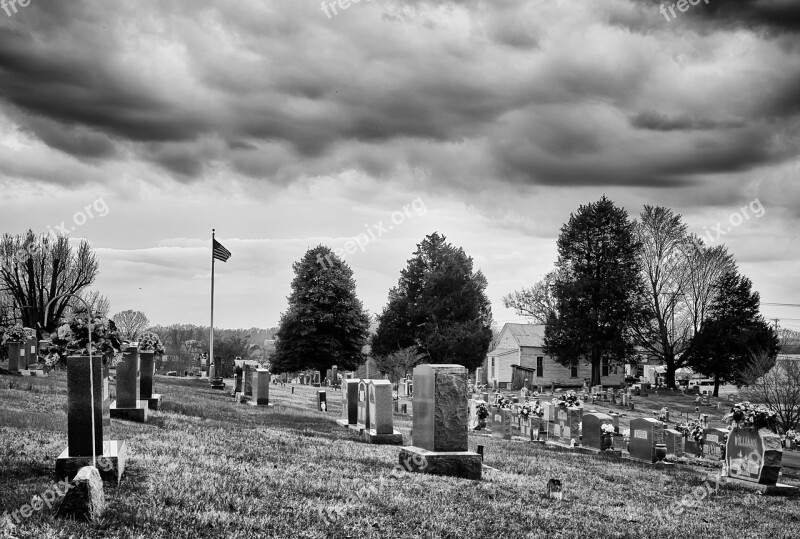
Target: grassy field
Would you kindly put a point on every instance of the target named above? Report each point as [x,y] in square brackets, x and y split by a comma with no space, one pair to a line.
[206,467]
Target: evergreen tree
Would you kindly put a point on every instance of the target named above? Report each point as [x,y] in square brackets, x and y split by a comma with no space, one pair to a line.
[439,307]
[596,288]
[734,332]
[325,323]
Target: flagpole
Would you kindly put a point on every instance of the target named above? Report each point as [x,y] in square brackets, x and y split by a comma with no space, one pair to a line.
[211,330]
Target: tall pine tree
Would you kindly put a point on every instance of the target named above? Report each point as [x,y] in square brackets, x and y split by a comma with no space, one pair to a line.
[325,324]
[439,307]
[596,288]
[733,334]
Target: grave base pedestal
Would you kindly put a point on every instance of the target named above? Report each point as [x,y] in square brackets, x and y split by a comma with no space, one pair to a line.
[34,372]
[358,428]
[138,414]
[778,489]
[343,423]
[111,467]
[217,383]
[372,437]
[259,402]
[154,402]
[464,464]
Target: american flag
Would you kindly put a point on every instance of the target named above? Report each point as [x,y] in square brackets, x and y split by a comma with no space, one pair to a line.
[220,252]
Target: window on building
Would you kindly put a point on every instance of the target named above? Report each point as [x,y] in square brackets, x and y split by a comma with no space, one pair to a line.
[604,367]
[573,370]
[539,366]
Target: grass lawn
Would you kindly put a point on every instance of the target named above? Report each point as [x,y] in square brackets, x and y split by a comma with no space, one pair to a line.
[206,467]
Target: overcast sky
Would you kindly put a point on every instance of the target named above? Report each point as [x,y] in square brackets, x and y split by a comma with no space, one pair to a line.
[488,121]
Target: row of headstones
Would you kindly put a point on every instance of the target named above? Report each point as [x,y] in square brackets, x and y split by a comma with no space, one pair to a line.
[367,409]
[252,385]
[23,355]
[749,455]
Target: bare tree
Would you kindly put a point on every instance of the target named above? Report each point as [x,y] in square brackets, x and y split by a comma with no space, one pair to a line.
[664,331]
[35,269]
[535,302]
[776,384]
[131,324]
[678,273]
[98,302]
[399,363]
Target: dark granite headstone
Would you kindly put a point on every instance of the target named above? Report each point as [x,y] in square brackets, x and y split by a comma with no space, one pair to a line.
[349,402]
[16,353]
[79,407]
[645,434]
[147,371]
[754,456]
[322,401]
[592,432]
[712,442]
[247,380]
[128,395]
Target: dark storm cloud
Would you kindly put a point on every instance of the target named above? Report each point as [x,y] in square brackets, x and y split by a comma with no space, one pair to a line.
[657,121]
[525,91]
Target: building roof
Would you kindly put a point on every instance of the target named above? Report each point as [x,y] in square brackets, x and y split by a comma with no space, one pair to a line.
[527,334]
[502,351]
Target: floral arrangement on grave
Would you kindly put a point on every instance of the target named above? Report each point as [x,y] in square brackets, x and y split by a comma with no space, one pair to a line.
[607,428]
[151,342]
[569,399]
[503,402]
[693,429]
[530,409]
[72,338]
[793,436]
[483,411]
[745,415]
[17,333]
[662,414]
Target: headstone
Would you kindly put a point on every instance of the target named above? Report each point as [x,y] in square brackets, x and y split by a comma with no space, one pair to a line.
[247,380]
[645,434]
[566,425]
[473,412]
[440,419]
[147,368]
[549,412]
[349,403]
[615,419]
[238,380]
[363,408]
[322,401]
[334,375]
[381,420]
[78,453]
[675,442]
[592,433]
[16,353]
[31,353]
[754,456]
[501,422]
[260,383]
[713,442]
[129,405]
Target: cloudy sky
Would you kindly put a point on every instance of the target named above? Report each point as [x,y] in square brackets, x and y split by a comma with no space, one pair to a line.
[141,125]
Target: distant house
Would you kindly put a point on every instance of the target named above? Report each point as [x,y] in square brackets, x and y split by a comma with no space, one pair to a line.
[520,356]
